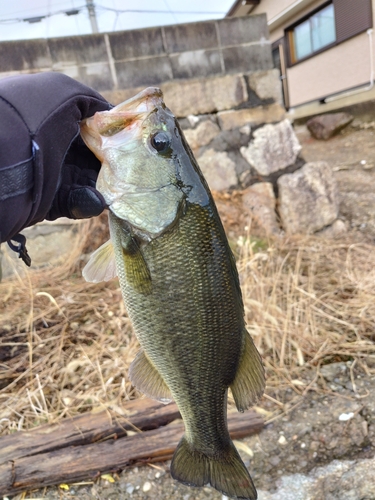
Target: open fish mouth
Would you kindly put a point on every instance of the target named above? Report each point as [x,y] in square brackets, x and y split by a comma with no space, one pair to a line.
[127,115]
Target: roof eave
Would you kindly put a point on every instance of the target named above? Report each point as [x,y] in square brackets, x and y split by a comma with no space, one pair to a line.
[248,6]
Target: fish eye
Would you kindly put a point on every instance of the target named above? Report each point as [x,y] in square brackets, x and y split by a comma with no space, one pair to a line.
[161,142]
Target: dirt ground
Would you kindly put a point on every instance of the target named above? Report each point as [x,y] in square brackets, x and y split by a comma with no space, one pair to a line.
[322,446]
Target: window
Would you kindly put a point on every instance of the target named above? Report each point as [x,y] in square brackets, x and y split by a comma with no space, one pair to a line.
[313,34]
[335,22]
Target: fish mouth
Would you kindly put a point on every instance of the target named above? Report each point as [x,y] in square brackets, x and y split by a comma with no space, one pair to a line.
[145,101]
[103,130]
[126,115]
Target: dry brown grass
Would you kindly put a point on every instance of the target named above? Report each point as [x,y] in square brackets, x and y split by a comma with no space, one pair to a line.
[309,302]
[66,345]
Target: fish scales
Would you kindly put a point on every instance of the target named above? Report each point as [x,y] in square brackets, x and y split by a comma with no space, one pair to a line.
[179,283]
[191,300]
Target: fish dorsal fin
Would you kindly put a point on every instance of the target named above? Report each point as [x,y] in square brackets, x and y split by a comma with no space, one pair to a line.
[248,385]
[101,265]
[145,377]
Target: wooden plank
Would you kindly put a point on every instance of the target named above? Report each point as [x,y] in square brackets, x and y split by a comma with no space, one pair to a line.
[77,463]
[143,414]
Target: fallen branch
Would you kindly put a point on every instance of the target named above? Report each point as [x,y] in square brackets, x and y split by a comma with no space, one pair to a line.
[89,445]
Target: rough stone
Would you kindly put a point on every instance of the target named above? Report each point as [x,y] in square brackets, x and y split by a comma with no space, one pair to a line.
[352,480]
[336,229]
[259,200]
[202,135]
[215,94]
[308,198]
[208,95]
[273,148]
[48,244]
[267,85]
[333,370]
[230,140]
[325,126]
[251,116]
[218,169]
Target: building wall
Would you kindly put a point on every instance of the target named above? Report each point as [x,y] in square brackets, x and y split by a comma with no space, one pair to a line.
[272,9]
[343,67]
[278,32]
[335,70]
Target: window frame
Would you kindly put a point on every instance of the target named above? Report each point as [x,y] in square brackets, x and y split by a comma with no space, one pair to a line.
[289,34]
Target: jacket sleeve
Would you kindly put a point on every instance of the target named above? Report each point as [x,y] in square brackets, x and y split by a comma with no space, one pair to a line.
[40,117]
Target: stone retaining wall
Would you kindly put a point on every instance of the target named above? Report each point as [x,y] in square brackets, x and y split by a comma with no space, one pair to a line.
[217,78]
[279,191]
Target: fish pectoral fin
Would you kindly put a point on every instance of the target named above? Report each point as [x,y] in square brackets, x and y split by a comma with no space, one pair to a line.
[101,265]
[226,472]
[145,377]
[137,272]
[248,385]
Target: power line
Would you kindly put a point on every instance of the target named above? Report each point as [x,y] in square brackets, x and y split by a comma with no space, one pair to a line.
[77,10]
[120,11]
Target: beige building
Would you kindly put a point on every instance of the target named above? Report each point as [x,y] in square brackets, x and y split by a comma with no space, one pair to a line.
[324,49]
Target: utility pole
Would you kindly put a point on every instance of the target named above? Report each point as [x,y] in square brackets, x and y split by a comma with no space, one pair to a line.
[92,16]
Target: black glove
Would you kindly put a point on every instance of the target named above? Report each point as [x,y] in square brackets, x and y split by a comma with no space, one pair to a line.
[46,171]
[76,196]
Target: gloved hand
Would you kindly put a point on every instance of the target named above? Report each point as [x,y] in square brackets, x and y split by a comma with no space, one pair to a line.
[76,196]
[46,171]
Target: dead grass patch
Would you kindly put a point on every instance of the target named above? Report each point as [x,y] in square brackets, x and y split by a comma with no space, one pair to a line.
[66,345]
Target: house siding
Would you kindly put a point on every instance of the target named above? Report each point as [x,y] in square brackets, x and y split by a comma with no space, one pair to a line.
[337,69]
[272,8]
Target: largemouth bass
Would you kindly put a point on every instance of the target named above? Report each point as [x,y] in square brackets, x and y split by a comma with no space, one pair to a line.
[179,282]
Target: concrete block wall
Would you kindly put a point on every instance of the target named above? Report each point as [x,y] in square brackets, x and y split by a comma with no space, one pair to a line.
[218,79]
[126,59]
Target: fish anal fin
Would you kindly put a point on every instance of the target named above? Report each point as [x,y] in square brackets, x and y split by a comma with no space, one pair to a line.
[101,265]
[248,385]
[145,377]
[225,472]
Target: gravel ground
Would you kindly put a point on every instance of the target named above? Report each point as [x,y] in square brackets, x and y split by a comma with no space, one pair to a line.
[324,445]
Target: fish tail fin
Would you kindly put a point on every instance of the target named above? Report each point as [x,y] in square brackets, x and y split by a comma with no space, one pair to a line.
[225,472]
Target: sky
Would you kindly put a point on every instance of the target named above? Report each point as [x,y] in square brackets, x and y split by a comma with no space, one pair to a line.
[111,15]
